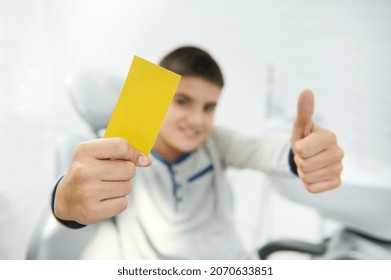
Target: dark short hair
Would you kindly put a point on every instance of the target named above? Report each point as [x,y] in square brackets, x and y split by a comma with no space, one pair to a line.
[192,61]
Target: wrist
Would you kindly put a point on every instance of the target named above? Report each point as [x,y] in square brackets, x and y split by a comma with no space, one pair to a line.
[57,210]
[292,163]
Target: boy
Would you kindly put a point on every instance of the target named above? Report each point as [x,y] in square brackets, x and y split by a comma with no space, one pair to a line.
[181,206]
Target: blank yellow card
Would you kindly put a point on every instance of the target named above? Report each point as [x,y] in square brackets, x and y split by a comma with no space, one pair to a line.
[142,105]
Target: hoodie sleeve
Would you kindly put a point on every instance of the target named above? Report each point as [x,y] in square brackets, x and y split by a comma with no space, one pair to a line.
[269,153]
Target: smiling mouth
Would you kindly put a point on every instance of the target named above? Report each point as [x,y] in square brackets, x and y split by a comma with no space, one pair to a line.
[190,133]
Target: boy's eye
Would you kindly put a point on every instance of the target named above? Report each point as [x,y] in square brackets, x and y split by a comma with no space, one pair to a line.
[210,107]
[182,101]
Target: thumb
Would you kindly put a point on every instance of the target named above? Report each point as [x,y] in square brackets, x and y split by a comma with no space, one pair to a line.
[303,123]
[116,148]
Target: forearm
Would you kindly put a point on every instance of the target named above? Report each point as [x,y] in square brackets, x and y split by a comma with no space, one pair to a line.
[271,154]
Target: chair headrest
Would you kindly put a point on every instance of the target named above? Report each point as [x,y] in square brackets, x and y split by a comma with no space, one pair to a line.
[94,95]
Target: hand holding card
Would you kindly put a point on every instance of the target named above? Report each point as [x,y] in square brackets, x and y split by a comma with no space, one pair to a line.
[98,181]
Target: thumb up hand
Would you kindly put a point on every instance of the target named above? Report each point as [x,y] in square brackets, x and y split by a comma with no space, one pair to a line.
[316,152]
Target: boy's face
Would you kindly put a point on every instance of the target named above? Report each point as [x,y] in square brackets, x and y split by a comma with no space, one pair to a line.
[189,119]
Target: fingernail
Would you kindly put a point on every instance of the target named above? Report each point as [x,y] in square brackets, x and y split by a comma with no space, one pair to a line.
[143,160]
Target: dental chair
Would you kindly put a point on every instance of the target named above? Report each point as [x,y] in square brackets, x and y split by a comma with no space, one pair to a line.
[362,206]
[94,95]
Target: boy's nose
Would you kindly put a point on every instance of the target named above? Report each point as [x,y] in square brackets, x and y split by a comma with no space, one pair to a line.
[195,117]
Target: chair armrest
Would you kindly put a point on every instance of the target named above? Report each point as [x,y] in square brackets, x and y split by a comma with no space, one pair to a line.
[292,245]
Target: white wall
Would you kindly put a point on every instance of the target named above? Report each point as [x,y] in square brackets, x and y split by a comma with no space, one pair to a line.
[340,49]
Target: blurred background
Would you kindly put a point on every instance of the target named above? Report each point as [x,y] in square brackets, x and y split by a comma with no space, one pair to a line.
[268,50]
